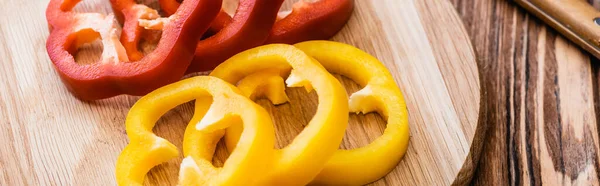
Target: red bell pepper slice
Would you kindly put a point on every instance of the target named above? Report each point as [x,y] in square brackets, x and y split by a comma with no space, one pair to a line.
[116,73]
[249,28]
[169,7]
[307,21]
[318,20]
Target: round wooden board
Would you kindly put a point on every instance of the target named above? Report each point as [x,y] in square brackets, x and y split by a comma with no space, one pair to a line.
[56,139]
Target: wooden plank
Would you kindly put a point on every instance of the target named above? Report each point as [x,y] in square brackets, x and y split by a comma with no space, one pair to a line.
[540,99]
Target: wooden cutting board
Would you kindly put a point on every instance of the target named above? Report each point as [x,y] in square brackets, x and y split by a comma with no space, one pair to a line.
[51,138]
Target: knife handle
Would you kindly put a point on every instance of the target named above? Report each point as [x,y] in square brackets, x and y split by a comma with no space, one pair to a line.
[575,19]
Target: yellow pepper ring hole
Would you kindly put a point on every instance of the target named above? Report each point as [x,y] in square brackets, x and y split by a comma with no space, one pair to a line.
[147,150]
[300,161]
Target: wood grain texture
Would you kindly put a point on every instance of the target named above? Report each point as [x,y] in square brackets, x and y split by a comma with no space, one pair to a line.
[540,99]
[53,139]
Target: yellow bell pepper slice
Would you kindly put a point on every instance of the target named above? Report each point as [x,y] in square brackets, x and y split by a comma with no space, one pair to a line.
[257,86]
[300,161]
[228,107]
[380,93]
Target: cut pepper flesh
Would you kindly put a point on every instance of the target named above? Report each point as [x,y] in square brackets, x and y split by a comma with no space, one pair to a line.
[229,106]
[380,93]
[258,85]
[300,161]
[321,19]
[248,28]
[169,7]
[121,69]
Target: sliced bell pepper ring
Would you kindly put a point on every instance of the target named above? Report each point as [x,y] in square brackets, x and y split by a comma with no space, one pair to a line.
[249,28]
[312,21]
[380,93]
[147,150]
[116,73]
[169,7]
[300,161]
[257,86]
[243,167]
[307,21]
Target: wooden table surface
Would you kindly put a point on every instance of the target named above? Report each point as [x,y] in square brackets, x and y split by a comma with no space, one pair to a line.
[540,98]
